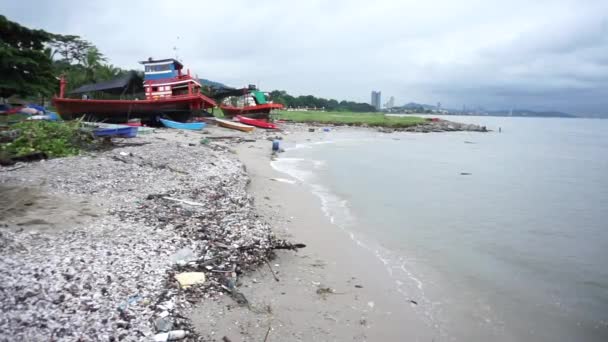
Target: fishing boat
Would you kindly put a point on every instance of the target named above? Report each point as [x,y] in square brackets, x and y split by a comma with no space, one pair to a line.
[234,125]
[194,126]
[255,122]
[166,88]
[124,132]
[248,102]
[100,129]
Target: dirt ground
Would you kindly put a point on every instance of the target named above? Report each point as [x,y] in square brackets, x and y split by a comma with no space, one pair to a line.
[36,208]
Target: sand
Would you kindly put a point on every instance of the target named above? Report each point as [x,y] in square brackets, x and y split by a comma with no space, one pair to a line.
[332,290]
[27,208]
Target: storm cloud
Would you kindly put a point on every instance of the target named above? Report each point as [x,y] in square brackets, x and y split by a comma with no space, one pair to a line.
[543,55]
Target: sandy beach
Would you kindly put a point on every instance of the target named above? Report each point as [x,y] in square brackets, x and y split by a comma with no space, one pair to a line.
[332,290]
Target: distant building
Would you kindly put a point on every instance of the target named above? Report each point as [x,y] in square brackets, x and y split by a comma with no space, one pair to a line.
[377,99]
[391,102]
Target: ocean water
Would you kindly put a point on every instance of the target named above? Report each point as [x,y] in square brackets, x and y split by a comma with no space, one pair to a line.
[500,236]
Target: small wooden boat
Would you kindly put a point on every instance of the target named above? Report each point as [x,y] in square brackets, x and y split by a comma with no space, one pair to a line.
[255,122]
[194,126]
[234,125]
[123,132]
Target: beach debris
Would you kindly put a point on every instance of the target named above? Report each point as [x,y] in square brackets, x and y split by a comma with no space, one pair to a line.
[324,291]
[371,304]
[465,173]
[188,279]
[326,129]
[183,256]
[173,335]
[239,297]
[184,201]
[413,302]
[163,324]
[226,339]
[359,286]
[272,271]
[130,301]
[311,130]
[275,145]
[267,333]
[469,142]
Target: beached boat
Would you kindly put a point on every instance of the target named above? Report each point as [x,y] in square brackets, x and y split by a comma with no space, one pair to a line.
[255,111]
[167,91]
[255,122]
[194,126]
[248,102]
[234,125]
[123,132]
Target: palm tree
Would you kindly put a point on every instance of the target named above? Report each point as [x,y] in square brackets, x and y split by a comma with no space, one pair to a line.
[92,62]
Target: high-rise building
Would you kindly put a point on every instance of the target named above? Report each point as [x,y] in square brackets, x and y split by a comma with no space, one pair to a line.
[391,102]
[377,99]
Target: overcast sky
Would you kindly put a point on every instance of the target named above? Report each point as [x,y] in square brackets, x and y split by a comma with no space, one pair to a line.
[496,54]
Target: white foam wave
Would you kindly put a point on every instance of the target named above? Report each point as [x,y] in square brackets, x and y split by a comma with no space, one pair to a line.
[337,211]
[308,145]
[284,180]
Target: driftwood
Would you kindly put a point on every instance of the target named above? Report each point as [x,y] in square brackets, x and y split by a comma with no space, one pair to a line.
[184,201]
[272,271]
[282,244]
[267,333]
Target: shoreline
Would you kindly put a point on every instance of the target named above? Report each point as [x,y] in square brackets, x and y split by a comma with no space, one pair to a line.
[104,228]
[329,290]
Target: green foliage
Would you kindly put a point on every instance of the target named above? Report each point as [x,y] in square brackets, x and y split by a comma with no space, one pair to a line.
[351,118]
[55,139]
[281,96]
[25,67]
[72,49]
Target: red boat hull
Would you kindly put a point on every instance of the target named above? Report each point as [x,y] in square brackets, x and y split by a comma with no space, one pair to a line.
[255,122]
[119,110]
[258,111]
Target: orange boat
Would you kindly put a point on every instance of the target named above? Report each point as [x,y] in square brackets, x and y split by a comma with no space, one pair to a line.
[255,122]
[167,91]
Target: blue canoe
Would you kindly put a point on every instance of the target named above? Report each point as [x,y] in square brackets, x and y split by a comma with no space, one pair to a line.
[195,126]
[124,132]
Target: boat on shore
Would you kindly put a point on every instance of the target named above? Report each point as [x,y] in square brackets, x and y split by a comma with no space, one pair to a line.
[255,122]
[234,125]
[193,126]
[248,102]
[166,88]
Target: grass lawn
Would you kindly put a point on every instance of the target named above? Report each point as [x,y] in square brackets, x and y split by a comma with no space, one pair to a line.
[351,118]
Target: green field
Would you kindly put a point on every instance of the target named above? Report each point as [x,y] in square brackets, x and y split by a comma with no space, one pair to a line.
[351,118]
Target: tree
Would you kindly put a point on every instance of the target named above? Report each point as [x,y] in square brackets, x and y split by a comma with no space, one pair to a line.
[25,67]
[72,49]
[92,63]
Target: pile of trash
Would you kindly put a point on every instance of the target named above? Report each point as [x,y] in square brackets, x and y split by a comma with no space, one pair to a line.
[30,111]
[179,228]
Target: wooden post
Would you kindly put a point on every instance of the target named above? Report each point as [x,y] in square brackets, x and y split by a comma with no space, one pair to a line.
[62,83]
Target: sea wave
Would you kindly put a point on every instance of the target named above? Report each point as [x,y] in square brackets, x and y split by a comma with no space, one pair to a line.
[338,212]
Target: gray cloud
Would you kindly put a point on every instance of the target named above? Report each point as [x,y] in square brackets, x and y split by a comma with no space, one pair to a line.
[540,55]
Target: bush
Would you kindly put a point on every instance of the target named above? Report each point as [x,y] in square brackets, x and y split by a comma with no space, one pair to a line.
[55,139]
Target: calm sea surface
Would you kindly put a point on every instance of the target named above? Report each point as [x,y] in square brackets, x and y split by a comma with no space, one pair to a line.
[500,236]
